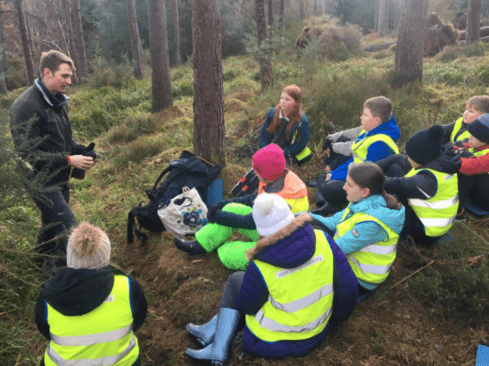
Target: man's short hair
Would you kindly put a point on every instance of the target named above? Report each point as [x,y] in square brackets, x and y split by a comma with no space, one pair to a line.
[52,59]
[480,103]
[379,107]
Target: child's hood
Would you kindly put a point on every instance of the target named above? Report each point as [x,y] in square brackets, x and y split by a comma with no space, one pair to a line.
[376,206]
[388,128]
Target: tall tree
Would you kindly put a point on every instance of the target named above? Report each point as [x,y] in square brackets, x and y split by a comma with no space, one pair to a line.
[301,9]
[383,18]
[270,15]
[81,63]
[135,40]
[376,19]
[3,59]
[160,63]
[315,8]
[209,133]
[261,34]
[473,28]
[26,42]
[410,43]
[176,32]
[281,14]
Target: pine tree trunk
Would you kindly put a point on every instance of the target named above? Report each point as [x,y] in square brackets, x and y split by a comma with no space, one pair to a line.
[376,19]
[383,18]
[176,32]
[270,15]
[410,43]
[160,63]
[3,59]
[472,33]
[301,9]
[135,40]
[281,14]
[81,64]
[261,33]
[315,8]
[26,45]
[209,132]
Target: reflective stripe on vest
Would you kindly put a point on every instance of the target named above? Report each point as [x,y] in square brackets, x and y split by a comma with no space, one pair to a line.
[103,336]
[300,301]
[478,153]
[360,148]
[438,213]
[458,125]
[372,263]
[304,154]
[294,192]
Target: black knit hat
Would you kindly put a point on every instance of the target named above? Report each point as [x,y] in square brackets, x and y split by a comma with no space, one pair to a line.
[425,145]
[479,128]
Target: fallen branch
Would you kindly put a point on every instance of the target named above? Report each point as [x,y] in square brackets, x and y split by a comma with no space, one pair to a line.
[412,274]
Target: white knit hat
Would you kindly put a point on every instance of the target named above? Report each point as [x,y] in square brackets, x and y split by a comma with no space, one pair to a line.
[271,213]
[88,247]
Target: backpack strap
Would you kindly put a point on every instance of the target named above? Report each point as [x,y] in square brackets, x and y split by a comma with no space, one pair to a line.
[131,229]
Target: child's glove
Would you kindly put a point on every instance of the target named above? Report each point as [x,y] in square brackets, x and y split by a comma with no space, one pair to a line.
[328,144]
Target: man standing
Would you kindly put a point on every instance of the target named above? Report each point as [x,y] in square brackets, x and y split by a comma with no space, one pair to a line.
[42,136]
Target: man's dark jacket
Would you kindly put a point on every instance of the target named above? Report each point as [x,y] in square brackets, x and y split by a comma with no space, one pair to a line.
[42,132]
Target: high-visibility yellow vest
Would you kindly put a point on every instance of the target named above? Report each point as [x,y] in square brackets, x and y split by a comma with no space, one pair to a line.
[372,263]
[478,153]
[103,336]
[305,154]
[359,149]
[294,192]
[300,302]
[438,213]
[458,125]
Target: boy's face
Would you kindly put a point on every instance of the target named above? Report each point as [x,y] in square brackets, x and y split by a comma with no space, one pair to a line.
[475,142]
[471,113]
[369,122]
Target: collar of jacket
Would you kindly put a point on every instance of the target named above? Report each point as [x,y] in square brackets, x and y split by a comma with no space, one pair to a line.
[56,101]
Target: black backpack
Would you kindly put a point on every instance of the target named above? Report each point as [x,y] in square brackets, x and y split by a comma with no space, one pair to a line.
[187,171]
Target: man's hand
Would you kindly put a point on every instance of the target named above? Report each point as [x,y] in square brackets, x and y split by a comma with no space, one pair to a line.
[81,162]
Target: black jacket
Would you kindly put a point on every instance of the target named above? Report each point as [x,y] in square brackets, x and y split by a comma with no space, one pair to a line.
[79,291]
[42,132]
[422,185]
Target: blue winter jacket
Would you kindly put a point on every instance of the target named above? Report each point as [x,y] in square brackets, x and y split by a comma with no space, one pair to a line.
[291,249]
[300,142]
[367,232]
[377,151]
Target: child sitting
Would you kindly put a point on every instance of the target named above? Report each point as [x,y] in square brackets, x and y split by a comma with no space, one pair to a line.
[235,214]
[457,131]
[297,286]
[368,229]
[287,126]
[473,177]
[375,142]
[429,189]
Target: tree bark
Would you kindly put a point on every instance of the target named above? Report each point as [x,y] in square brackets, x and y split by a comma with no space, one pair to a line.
[281,14]
[160,63]
[376,19]
[383,18]
[26,45]
[315,8]
[176,33]
[135,40]
[472,33]
[261,34]
[301,9]
[81,64]
[209,132]
[270,15]
[3,59]
[410,43]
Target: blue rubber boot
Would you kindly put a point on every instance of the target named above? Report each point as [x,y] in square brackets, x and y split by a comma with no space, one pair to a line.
[205,332]
[218,351]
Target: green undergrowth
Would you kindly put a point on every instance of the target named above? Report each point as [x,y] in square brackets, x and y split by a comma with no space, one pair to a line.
[136,146]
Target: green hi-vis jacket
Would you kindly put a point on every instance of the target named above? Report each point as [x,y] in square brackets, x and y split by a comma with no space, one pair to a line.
[437,213]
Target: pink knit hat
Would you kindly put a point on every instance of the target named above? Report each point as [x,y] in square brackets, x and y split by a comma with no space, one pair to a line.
[88,247]
[269,162]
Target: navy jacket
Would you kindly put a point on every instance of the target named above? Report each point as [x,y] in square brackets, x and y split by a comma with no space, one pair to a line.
[290,252]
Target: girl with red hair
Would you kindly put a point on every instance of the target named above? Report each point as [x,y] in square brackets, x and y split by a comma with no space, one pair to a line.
[287,126]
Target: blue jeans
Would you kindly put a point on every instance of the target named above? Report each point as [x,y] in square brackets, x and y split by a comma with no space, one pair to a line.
[57,220]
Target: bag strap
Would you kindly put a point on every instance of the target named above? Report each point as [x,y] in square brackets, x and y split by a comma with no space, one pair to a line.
[161,176]
[131,230]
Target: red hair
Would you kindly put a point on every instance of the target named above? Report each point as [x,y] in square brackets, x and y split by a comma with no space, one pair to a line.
[295,93]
